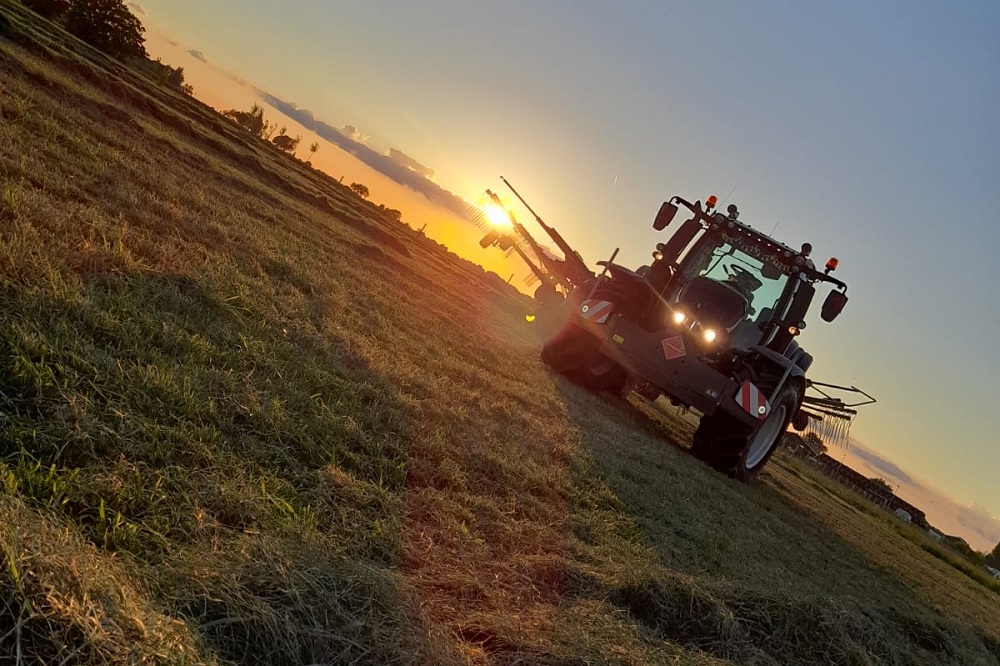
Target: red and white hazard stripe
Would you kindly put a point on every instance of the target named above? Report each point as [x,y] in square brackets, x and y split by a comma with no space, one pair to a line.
[596,311]
[752,400]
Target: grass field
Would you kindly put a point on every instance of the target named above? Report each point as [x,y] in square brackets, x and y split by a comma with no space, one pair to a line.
[245,419]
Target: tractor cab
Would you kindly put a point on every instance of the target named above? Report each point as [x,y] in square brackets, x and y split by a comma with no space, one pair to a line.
[731,285]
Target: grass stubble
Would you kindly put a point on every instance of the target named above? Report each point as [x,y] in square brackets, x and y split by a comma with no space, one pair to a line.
[246,419]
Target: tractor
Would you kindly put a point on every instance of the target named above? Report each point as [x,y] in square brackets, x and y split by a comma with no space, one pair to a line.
[711,324]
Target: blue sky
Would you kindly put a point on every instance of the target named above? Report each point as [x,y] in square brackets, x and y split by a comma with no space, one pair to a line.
[870,129]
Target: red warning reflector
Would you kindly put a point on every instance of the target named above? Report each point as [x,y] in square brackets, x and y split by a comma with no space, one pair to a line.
[673,347]
[596,311]
[752,400]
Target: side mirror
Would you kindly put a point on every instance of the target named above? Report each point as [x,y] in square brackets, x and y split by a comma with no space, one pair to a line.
[504,243]
[833,305]
[665,216]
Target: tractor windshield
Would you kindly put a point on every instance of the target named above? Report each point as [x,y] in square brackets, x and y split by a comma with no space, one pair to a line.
[742,264]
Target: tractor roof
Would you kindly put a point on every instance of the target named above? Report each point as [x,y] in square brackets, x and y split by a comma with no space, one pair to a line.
[762,236]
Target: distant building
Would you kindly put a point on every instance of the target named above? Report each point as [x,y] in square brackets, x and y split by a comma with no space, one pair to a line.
[858,482]
[959,544]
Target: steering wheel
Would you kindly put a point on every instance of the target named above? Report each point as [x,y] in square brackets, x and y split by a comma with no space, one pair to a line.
[736,271]
[744,281]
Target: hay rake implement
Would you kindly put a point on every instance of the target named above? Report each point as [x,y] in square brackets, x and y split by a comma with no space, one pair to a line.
[829,416]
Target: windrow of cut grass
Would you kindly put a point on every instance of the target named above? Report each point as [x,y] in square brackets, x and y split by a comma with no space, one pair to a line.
[245,418]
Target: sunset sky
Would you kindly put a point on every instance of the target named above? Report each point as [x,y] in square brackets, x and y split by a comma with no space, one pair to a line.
[870,129]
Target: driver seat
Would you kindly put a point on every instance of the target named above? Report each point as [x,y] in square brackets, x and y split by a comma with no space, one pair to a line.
[747,333]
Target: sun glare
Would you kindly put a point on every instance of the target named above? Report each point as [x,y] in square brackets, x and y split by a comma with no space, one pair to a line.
[496,214]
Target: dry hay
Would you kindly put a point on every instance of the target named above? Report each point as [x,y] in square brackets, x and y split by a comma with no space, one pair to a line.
[64,602]
[256,599]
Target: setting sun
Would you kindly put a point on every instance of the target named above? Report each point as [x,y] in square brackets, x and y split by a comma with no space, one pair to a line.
[498,215]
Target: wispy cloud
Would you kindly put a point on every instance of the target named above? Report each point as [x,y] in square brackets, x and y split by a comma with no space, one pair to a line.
[970,521]
[352,132]
[889,468]
[198,55]
[349,139]
[137,9]
[402,159]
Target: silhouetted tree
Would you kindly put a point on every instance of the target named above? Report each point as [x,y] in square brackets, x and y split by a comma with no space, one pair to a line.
[50,9]
[882,482]
[286,143]
[360,190]
[390,212]
[175,79]
[963,547]
[817,443]
[271,128]
[252,121]
[107,25]
[993,558]
[313,147]
[163,74]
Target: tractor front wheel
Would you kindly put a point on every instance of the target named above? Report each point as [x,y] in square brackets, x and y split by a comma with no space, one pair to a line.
[738,451]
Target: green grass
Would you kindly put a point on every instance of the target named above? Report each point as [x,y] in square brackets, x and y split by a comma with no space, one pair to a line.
[245,418]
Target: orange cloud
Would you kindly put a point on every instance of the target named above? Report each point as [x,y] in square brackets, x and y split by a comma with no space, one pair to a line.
[402,159]
[351,132]
[972,522]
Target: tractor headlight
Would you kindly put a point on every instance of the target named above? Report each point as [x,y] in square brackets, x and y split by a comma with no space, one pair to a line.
[709,335]
[679,317]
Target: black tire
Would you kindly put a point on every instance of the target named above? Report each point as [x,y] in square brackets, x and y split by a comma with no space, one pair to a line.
[800,421]
[739,451]
[546,294]
[574,353]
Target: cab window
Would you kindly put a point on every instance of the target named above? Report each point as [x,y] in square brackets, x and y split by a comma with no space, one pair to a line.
[760,279]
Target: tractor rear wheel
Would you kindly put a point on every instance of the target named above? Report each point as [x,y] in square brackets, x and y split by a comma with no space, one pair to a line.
[739,451]
[574,352]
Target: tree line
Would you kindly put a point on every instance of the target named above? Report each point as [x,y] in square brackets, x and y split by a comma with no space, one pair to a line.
[109,26]
[257,124]
[993,557]
[254,122]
